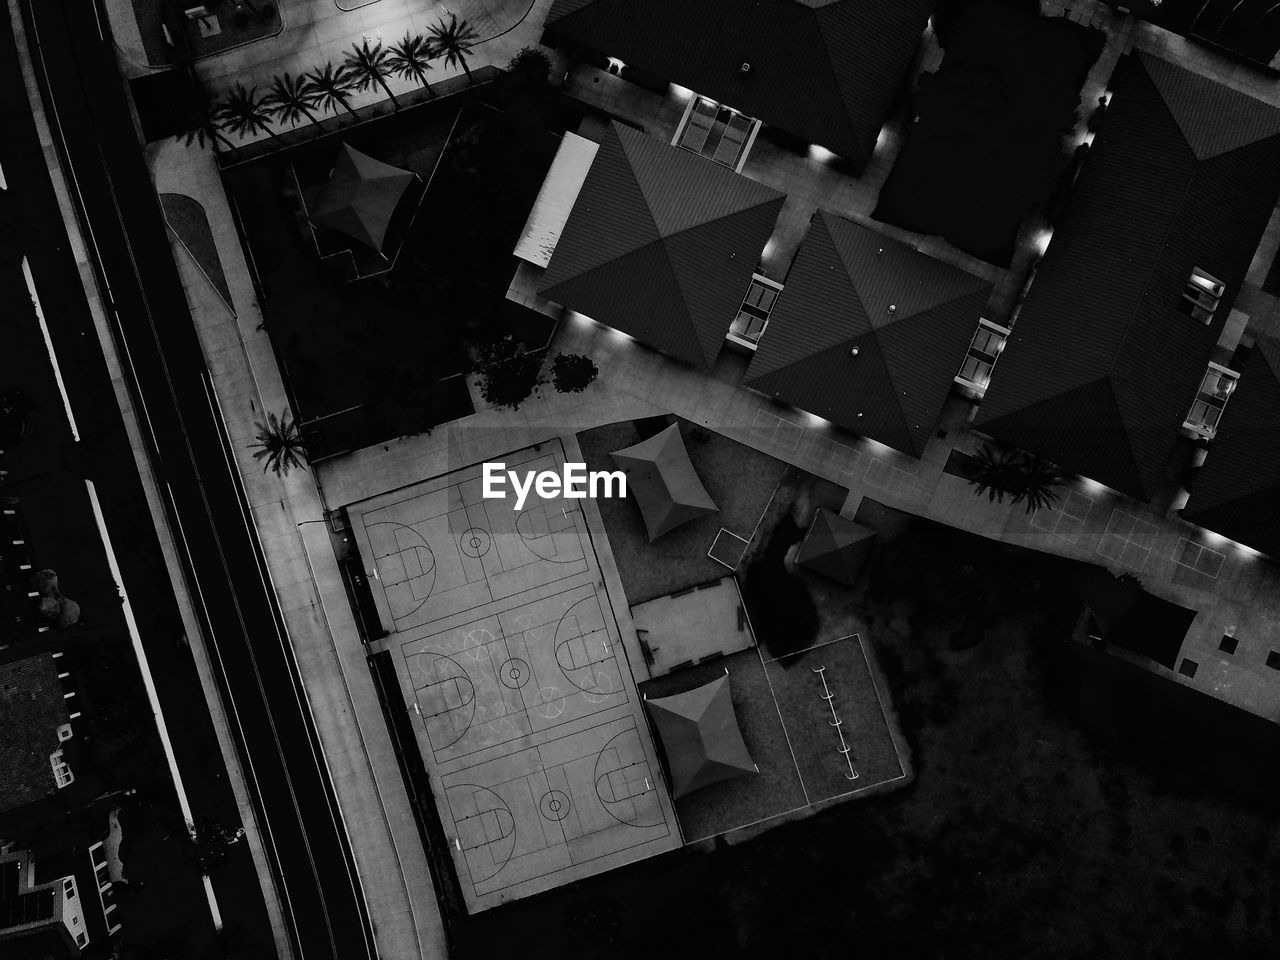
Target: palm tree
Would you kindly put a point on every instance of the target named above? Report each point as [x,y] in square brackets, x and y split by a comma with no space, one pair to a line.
[330,87]
[1037,478]
[290,100]
[281,444]
[369,65]
[453,41]
[243,112]
[995,474]
[197,116]
[411,59]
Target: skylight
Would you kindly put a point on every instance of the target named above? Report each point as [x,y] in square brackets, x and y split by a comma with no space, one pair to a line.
[753,316]
[1211,399]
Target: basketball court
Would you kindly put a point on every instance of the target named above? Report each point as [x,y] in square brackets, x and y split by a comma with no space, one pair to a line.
[524,705]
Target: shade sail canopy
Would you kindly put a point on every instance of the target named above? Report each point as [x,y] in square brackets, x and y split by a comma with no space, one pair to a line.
[836,547]
[361,197]
[700,735]
[663,482]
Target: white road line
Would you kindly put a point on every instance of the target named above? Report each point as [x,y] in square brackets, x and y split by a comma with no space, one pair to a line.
[48,346]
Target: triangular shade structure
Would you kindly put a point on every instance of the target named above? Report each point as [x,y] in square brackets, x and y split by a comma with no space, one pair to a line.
[700,735]
[836,547]
[662,480]
[361,196]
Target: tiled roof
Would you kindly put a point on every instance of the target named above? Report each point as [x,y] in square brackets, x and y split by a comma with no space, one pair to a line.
[19,905]
[661,244]
[825,72]
[1102,366]
[31,710]
[838,296]
[1237,492]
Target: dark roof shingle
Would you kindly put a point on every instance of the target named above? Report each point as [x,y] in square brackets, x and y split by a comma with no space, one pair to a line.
[910,317]
[1102,366]
[825,72]
[31,710]
[661,244]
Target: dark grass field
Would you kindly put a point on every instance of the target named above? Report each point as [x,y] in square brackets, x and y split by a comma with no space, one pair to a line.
[1065,805]
[986,146]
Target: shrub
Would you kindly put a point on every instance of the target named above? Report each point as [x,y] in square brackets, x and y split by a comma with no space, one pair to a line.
[573,372]
[509,373]
[531,65]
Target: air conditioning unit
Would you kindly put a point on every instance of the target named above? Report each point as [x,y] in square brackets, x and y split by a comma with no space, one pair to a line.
[196,13]
[64,733]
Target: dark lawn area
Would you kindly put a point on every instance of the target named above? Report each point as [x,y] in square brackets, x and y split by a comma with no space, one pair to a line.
[986,147]
[1065,805]
[742,482]
[381,357]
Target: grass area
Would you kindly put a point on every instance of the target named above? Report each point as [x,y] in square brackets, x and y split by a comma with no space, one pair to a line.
[1065,804]
[730,804]
[986,146]
[740,480]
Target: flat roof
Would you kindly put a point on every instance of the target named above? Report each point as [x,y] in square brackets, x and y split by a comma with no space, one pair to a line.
[555,199]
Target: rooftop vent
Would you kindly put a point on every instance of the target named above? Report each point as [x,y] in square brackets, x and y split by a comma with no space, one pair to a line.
[745,68]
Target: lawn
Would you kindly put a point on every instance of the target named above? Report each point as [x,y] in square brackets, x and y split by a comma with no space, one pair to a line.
[742,482]
[381,357]
[1065,804]
[986,146]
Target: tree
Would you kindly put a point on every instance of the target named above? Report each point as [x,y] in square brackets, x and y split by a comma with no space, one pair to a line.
[1023,477]
[280,444]
[531,65]
[573,372]
[330,87]
[243,113]
[410,59]
[369,65]
[453,41]
[509,373]
[1037,481]
[211,841]
[290,99]
[197,116]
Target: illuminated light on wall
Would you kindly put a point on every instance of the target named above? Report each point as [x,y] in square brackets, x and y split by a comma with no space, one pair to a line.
[1042,239]
[815,422]
[679,92]
[769,248]
[1087,139]
[1212,539]
[878,449]
[1092,488]
[1247,552]
[820,154]
[616,65]
[581,319]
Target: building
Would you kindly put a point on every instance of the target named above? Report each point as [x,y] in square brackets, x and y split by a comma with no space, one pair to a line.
[1134,295]
[36,725]
[1237,492]
[660,244]
[38,920]
[824,71]
[868,333]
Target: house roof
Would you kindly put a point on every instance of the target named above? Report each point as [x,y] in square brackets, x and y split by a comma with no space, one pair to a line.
[663,482]
[827,72]
[31,710]
[1102,366]
[661,244]
[361,197]
[700,736]
[909,316]
[835,547]
[20,904]
[1237,491]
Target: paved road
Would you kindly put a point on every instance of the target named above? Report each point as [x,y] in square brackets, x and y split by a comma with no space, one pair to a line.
[226,572]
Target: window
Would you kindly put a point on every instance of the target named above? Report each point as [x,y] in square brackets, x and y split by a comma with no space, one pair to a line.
[62,774]
[1211,399]
[1273,660]
[1201,296]
[82,939]
[69,888]
[1188,667]
[753,316]
[983,352]
[716,132]
[1228,644]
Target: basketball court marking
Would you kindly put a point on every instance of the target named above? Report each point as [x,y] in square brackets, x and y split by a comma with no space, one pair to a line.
[523,702]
